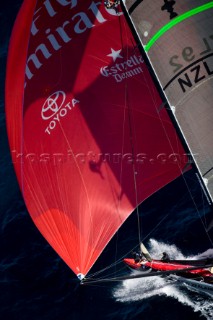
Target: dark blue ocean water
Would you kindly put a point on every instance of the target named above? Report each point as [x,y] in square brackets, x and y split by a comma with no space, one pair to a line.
[35,284]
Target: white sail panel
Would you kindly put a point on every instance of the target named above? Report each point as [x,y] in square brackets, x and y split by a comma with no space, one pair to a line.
[178,39]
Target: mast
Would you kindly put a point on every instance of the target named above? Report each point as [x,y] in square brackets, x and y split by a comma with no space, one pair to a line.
[176,43]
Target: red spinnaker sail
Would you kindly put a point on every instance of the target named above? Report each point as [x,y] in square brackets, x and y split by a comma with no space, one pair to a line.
[84,125]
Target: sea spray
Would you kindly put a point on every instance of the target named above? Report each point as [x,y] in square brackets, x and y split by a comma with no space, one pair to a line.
[146,288]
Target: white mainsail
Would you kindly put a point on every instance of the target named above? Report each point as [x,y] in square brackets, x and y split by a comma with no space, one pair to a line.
[178,39]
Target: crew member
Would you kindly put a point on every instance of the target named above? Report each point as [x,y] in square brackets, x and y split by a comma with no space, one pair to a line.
[137,256]
[165,257]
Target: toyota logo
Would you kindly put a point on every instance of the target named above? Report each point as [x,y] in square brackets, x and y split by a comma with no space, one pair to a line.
[52,105]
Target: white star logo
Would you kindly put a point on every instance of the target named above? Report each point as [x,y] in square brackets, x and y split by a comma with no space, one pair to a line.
[115,54]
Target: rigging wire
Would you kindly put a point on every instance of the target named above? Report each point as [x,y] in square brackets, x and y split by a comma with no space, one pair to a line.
[128,108]
[132,139]
[130,121]
[185,181]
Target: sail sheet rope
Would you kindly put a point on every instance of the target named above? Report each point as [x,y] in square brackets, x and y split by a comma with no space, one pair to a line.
[134,171]
[132,140]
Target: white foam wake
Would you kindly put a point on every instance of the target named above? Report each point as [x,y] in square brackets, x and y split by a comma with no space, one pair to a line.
[141,289]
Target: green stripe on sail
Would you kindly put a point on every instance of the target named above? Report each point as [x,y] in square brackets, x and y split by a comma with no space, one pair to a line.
[175,21]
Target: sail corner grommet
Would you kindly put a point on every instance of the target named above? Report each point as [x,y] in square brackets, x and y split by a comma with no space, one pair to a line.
[80,276]
[173,109]
[205,180]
